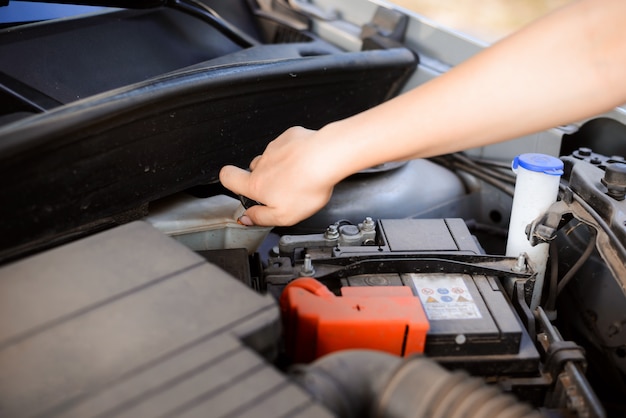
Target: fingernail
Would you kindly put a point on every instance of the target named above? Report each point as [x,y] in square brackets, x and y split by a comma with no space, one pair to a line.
[245,220]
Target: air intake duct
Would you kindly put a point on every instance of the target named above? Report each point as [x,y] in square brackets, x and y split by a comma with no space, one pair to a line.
[363,383]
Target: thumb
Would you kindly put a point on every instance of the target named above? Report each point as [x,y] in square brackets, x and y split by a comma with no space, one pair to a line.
[264,216]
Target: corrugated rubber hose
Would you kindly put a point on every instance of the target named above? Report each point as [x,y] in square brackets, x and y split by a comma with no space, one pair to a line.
[363,383]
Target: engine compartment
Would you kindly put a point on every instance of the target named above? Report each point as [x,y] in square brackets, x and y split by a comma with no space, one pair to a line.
[129,288]
[475,303]
[336,322]
[478,305]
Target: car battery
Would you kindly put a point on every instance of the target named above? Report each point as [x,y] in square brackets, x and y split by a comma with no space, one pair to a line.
[472,323]
[468,314]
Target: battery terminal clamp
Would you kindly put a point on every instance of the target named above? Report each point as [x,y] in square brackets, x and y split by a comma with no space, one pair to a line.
[317,322]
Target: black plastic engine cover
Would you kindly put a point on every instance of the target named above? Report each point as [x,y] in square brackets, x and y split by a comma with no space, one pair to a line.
[96,161]
[130,323]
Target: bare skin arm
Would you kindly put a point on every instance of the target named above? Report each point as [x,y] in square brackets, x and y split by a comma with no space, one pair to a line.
[565,67]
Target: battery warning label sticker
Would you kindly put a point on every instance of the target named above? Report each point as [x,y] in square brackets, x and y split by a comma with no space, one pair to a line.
[445,297]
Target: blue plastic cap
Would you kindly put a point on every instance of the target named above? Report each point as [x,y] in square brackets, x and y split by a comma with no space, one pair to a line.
[539,163]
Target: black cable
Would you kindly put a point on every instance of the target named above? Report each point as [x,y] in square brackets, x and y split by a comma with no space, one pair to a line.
[508,177]
[202,11]
[475,226]
[487,178]
[578,264]
[485,175]
[491,163]
[619,246]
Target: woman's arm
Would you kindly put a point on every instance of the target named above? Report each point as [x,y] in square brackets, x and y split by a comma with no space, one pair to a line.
[564,67]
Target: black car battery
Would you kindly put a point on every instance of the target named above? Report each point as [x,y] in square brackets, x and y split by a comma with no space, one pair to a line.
[473,324]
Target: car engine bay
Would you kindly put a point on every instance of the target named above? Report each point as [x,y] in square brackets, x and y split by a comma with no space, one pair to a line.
[128,287]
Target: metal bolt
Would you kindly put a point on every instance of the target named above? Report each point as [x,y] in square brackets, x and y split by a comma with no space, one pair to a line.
[368,224]
[615,180]
[520,266]
[332,232]
[307,266]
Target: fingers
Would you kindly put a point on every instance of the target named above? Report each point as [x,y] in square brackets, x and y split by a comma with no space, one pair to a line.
[236,180]
[245,220]
[261,216]
[271,175]
[268,216]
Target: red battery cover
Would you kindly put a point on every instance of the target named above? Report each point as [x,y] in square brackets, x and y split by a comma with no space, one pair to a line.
[316,322]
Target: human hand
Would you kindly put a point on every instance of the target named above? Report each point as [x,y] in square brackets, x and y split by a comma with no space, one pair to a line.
[292,180]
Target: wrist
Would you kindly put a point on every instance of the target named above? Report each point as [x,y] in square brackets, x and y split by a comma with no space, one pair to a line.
[348,148]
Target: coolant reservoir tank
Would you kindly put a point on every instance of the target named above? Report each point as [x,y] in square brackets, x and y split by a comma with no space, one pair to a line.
[205,224]
[536,188]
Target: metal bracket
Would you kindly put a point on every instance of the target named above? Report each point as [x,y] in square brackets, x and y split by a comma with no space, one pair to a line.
[386,30]
[565,361]
[336,235]
[544,228]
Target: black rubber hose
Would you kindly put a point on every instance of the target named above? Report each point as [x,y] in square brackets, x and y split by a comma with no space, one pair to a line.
[347,382]
[362,383]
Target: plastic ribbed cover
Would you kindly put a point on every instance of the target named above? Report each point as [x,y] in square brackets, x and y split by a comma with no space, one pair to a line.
[129,323]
